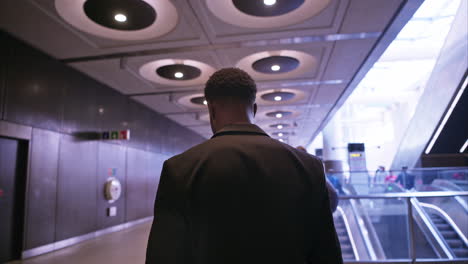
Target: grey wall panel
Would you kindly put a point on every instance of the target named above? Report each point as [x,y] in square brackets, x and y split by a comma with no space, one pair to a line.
[80,106]
[111,163]
[42,188]
[77,189]
[34,89]
[114,109]
[140,118]
[137,163]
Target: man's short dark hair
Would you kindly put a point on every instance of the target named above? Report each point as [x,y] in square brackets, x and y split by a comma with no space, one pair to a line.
[231,83]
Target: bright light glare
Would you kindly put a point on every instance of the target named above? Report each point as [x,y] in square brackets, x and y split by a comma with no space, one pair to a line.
[269,2]
[464,146]
[280,134]
[279,115]
[120,17]
[275,68]
[178,75]
[205,102]
[278,98]
[279,127]
[281,140]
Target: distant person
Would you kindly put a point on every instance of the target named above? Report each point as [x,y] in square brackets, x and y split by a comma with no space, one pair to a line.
[390,178]
[241,197]
[378,177]
[332,195]
[405,179]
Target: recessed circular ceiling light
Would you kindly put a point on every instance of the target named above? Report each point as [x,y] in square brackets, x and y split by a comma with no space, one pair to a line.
[278,98]
[279,126]
[178,75]
[279,115]
[269,2]
[199,100]
[178,72]
[275,68]
[120,18]
[282,140]
[280,134]
[276,64]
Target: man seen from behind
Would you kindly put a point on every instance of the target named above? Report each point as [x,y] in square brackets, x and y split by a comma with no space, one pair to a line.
[241,197]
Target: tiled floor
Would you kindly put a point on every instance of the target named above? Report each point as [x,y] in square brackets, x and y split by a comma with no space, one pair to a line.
[124,247]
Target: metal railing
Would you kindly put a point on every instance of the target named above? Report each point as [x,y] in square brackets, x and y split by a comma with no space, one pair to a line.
[407,197]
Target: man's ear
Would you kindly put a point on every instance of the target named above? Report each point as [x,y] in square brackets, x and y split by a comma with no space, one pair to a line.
[255,109]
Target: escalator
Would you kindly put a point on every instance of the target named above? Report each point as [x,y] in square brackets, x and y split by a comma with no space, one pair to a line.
[454,241]
[342,230]
[438,228]
[448,231]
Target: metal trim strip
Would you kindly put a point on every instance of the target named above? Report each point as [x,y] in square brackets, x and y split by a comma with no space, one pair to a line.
[78,239]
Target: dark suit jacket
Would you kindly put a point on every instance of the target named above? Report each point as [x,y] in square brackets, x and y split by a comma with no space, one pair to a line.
[242,197]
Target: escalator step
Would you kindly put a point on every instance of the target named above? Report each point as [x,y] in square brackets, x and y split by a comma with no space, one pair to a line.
[443,227]
[343,239]
[455,243]
[461,252]
[346,247]
[449,234]
[438,220]
[341,231]
[348,256]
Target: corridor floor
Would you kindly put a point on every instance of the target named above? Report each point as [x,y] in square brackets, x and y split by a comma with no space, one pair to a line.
[124,247]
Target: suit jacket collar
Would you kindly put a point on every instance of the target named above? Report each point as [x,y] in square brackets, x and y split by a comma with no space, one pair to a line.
[240,129]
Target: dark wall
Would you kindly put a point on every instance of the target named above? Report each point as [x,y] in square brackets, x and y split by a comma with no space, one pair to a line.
[455,132]
[67,169]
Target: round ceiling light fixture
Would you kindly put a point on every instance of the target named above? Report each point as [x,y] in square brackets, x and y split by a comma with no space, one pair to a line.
[177,72]
[279,114]
[266,13]
[120,19]
[279,126]
[278,64]
[120,14]
[199,100]
[269,2]
[193,101]
[275,68]
[281,140]
[278,96]
[281,96]
[280,134]
[267,8]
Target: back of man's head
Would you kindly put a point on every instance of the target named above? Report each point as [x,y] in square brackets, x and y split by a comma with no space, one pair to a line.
[231,84]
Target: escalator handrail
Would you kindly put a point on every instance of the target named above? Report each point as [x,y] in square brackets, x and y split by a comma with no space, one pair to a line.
[348,231]
[449,220]
[434,231]
[362,219]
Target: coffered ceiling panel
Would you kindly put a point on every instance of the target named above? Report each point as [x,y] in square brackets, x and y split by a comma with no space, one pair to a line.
[242,56]
[115,73]
[305,55]
[219,31]
[54,31]
[160,103]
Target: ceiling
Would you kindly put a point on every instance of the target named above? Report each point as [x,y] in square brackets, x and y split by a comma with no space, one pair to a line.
[330,43]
